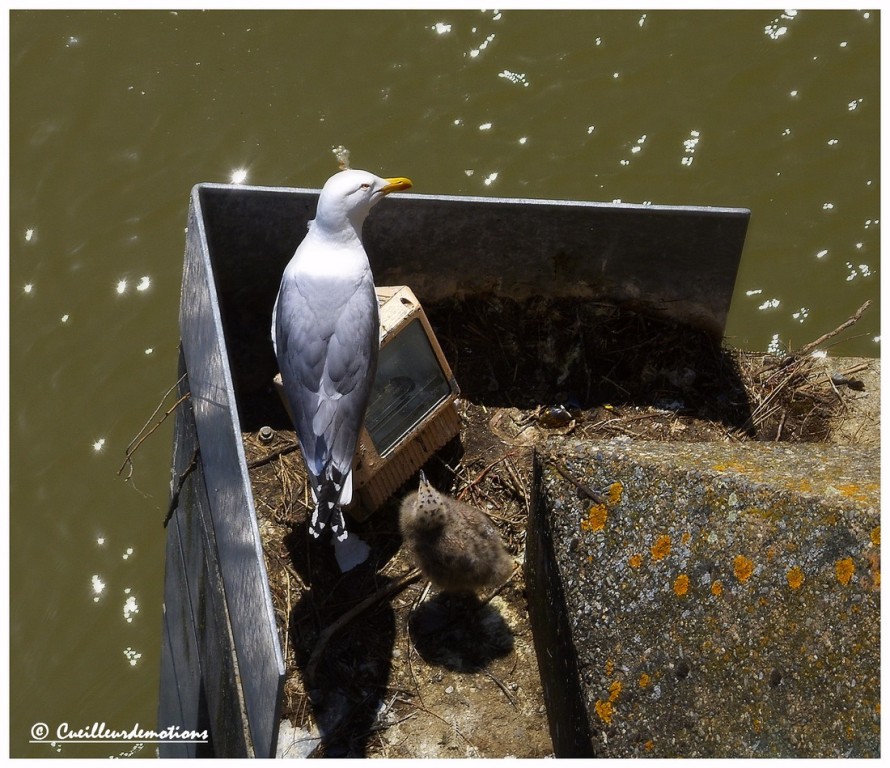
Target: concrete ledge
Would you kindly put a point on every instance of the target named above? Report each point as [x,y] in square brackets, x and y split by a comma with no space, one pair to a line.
[722,601]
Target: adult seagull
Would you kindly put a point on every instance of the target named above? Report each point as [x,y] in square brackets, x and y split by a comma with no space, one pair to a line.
[325,330]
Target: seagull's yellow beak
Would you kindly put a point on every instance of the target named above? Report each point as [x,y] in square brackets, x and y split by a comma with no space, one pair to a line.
[397,184]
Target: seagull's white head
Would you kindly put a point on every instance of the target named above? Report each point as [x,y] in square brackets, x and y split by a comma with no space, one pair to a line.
[348,196]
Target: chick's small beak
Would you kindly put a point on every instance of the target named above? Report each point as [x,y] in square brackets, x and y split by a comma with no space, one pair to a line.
[397,184]
[423,480]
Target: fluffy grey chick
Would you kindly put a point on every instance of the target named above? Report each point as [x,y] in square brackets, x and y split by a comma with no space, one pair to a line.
[455,545]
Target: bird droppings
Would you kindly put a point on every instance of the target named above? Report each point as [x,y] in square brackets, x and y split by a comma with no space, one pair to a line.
[742,567]
[844,569]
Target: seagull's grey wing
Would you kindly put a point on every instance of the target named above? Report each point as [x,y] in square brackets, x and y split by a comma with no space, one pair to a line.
[327,340]
[350,366]
[301,340]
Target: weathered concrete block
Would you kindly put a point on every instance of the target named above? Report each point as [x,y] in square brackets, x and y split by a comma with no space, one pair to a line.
[718,600]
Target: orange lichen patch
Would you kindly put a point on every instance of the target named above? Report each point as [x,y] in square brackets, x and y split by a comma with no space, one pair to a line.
[609,667]
[686,538]
[596,518]
[757,726]
[876,535]
[858,492]
[851,490]
[649,745]
[616,491]
[645,680]
[742,567]
[844,570]
[717,588]
[805,486]
[604,711]
[635,561]
[795,578]
[661,548]
[736,465]
[681,585]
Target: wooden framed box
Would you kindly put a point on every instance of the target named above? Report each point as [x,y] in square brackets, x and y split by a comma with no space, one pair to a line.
[411,414]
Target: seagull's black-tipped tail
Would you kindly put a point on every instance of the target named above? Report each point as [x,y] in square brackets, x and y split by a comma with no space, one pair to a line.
[327,510]
[349,549]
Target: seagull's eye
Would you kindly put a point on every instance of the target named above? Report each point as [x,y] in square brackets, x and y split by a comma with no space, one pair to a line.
[365,186]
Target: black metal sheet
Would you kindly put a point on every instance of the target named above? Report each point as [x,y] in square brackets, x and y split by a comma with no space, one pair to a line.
[677,261]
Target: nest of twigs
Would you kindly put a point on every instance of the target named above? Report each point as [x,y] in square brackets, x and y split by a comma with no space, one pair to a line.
[607,369]
[528,371]
[324,653]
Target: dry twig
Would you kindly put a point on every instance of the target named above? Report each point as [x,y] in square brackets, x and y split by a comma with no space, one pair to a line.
[141,438]
[253,463]
[807,348]
[587,491]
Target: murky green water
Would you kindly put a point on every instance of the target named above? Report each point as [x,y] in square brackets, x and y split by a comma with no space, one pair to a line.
[114,116]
